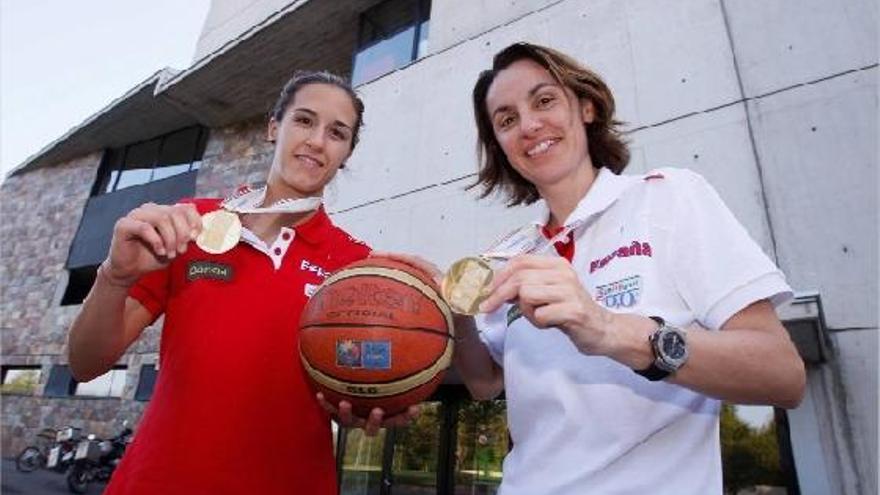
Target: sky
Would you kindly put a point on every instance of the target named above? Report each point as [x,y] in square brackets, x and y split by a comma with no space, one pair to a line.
[62,61]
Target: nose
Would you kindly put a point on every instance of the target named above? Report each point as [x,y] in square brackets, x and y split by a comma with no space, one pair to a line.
[530,123]
[315,139]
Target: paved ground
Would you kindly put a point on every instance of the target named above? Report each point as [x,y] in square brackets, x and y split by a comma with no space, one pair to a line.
[39,482]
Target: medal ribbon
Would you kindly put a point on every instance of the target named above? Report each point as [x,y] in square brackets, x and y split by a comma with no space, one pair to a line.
[246,199]
[521,242]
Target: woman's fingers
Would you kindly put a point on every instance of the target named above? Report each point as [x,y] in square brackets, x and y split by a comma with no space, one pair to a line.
[513,278]
[412,260]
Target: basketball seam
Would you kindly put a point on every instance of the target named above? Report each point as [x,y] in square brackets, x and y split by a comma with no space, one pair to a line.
[400,276]
[374,325]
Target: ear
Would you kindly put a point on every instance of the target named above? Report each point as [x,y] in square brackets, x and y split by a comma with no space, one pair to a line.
[588,111]
[272,130]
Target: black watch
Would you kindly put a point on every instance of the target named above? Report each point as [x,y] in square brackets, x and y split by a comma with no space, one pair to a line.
[669,345]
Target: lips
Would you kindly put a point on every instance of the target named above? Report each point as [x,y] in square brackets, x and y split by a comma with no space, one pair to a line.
[541,147]
[314,162]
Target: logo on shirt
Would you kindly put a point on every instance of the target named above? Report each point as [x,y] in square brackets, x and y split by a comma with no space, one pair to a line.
[310,289]
[306,266]
[635,249]
[624,293]
[209,270]
[370,354]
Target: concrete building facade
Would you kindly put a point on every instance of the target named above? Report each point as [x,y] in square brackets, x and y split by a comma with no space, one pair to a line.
[775,103]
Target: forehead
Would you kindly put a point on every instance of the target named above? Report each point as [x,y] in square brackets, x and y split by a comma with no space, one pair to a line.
[327,100]
[514,83]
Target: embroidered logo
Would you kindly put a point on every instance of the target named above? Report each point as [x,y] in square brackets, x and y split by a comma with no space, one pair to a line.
[309,267]
[208,269]
[624,293]
[635,249]
[310,289]
[371,354]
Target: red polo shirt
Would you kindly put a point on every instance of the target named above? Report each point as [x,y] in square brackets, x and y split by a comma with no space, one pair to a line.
[231,411]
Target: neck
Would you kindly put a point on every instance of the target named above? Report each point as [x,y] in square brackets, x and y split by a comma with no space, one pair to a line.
[267,225]
[563,197]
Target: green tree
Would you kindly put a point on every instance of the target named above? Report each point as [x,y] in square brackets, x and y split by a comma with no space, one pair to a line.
[750,456]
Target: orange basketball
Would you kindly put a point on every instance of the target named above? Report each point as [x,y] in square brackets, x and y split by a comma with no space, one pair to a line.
[377,334]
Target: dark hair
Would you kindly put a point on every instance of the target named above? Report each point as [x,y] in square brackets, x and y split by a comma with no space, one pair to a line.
[304,78]
[607,148]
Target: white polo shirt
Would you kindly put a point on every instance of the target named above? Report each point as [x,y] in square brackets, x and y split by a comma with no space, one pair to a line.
[662,244]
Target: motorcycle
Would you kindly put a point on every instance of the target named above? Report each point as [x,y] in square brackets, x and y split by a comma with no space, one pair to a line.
[96,459]
[61,454]
[35,456]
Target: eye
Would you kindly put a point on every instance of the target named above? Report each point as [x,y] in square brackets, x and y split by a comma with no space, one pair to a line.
[302,119]
[505,122]
[545,100]
[339,134]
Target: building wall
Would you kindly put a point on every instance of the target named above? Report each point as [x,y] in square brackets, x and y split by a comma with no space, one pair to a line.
[229,19]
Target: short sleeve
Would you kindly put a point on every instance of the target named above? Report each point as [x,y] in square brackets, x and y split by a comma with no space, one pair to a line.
[492,329]
[151,290]
[718,268]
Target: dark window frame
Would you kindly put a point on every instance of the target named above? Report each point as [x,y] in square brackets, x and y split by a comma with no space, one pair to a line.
[103,185]
[421,16]
[60,383]
[146,382]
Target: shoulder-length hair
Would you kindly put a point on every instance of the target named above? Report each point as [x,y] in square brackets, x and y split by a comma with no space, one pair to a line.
[606,145]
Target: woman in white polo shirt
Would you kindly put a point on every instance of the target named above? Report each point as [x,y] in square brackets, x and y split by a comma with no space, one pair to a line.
[612,386]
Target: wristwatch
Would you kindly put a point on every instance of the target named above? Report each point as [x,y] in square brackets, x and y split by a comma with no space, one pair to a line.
[669,345]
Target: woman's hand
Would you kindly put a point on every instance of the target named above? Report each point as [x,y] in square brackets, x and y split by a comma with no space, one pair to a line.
[148,238]
[372,424]
[414,261]
[549,294]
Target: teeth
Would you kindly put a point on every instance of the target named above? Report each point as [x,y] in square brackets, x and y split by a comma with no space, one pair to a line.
[310,160]
[540,147]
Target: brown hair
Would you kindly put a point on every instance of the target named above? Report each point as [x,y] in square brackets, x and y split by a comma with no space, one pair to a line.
[304,78]
[607,148]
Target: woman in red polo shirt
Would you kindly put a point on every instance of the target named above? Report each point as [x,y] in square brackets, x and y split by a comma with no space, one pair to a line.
[231,411]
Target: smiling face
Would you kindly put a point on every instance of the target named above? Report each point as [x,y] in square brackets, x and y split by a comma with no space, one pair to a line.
[539,125]
[312,140]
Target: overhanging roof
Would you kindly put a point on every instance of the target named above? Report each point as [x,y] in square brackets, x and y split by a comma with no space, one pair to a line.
[236,82]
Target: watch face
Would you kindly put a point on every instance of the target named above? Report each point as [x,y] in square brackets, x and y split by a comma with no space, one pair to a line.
[673,348]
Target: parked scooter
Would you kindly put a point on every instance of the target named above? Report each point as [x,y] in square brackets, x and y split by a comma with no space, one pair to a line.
[96,459]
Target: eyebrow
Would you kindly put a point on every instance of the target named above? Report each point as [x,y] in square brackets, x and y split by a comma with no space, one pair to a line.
[535,89]
[337,123]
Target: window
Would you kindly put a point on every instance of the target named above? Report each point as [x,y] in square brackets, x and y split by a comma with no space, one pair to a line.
[146,382]
[149,161]
[79,283]
[392,34]
[60,383]
[20,379]
[110,384]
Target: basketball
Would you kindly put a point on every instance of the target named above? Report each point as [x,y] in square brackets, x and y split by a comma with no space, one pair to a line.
[376,334]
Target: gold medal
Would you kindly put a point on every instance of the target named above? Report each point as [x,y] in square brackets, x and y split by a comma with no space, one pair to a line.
[466,285]
[221,230]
